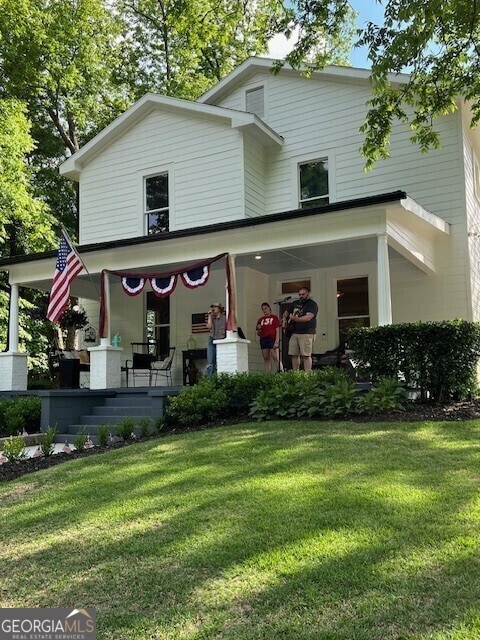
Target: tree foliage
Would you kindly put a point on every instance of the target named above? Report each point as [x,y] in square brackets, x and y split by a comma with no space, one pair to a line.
[25,222]
[58,56]
[182,48]
[436,41]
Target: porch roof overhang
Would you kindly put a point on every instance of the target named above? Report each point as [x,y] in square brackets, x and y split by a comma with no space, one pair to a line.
[335,234]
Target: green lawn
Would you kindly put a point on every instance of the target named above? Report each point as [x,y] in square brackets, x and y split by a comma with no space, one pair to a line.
[282,530]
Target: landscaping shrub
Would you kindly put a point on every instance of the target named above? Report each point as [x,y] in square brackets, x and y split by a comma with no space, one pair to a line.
[80,440]
[103,434]
[18,414]
[14,448]
[387,395]
[323,393]
[197,405]
[145,424]
[295,394]
[220,396]
[241,389]
[124,428]
[438,358]
[48,441]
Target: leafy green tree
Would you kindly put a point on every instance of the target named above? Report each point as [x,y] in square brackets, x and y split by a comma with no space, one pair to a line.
[436,41]
[182,48]
[25,222]
[59,57]
[323,30]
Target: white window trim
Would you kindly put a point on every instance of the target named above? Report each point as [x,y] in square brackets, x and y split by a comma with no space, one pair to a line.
[150,172]
[476,175]
[252,87]
[324,154]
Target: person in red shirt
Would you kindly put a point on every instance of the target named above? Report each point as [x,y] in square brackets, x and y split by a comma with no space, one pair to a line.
[268,331]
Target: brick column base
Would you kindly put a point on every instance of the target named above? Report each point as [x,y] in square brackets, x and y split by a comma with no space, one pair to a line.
[105,367]
[232,355]
[13,371]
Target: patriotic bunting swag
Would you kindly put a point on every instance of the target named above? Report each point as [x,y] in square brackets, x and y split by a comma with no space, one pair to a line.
[163,285]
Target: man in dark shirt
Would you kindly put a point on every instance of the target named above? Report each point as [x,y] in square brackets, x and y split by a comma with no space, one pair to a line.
[303,321]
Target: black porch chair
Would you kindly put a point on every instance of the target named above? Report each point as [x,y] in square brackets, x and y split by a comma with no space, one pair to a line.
[140,366]
[163,368]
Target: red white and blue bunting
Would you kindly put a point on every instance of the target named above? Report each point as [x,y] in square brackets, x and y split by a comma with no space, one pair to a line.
[163,285]
[196,277]
[133,286]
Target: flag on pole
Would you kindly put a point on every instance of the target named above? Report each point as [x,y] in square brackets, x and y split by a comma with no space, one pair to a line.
[69,265]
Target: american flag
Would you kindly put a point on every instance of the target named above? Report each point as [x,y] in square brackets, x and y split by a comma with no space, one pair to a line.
[199,323]
[67,269]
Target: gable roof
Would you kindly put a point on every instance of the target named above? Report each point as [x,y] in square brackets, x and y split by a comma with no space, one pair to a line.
[254,65]
[240,120]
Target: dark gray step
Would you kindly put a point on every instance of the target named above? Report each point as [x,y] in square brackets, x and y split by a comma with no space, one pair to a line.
[69,438]
[128,401]
[122,410]
[113,419]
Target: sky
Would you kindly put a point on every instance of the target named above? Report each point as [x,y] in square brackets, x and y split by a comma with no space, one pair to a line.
[367,10]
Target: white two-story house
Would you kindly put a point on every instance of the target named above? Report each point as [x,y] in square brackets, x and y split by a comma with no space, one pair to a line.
[267,169]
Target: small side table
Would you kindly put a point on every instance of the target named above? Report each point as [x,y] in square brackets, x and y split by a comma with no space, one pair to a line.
[188,356]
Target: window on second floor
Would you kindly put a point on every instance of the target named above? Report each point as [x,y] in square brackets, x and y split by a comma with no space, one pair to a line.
[476,176]
[255,101]
[313,183]
[156,203]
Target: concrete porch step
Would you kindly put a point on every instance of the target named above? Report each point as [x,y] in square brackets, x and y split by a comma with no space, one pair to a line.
[114,419]
[123,410]
[135,400]
[92,431]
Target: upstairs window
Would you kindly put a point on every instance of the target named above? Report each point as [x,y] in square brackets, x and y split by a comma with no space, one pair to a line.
[313,183]
[255,101]
[156,204]
[476,176]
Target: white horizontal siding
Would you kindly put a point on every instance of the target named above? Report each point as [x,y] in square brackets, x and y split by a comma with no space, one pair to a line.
[318,117]
[206,159]
[255,177]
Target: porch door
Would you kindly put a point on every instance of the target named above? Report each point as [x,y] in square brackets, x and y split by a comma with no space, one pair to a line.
[158,323]
[352,306]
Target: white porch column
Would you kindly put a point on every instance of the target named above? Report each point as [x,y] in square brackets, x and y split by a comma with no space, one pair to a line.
[13,364]
[232,354]
[105,366]
[383,281]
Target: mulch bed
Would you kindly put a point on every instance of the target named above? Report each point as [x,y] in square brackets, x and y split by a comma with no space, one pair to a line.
[413,412]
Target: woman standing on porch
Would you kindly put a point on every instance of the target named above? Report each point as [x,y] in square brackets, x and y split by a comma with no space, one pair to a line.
[217,323]
[268,329]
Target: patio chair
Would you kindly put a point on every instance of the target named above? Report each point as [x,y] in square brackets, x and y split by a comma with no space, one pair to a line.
[143,355]
[163,368]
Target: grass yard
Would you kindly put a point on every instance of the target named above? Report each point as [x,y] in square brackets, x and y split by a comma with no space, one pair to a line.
[272,531]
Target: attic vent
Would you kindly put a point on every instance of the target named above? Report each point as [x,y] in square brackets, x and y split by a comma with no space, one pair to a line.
[255,101]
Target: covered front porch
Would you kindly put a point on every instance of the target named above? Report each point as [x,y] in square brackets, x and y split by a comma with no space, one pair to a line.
[382,240]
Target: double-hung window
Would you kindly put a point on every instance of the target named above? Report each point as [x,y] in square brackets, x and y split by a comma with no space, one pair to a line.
[156,204]
[313,183]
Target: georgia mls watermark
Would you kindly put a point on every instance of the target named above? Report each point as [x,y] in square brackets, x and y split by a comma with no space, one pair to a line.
[47,624]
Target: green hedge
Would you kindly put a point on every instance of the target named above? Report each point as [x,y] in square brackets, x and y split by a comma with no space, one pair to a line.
[295,394]
[438,358]
[215,398]
[18,414]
